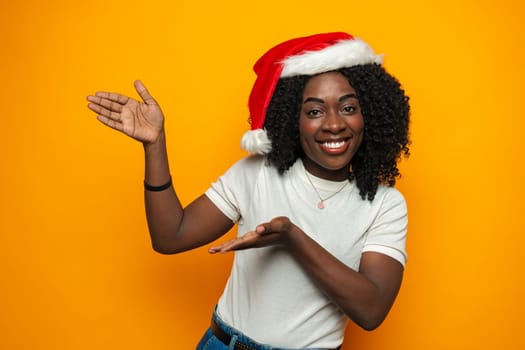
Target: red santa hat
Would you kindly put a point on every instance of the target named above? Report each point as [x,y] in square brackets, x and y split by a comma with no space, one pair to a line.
[308,55]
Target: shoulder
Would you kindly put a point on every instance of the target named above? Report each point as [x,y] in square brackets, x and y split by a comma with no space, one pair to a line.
[389,193]
[250,163]
[250,168]
[389,198]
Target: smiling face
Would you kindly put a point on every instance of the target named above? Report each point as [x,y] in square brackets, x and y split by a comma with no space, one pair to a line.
[331,126]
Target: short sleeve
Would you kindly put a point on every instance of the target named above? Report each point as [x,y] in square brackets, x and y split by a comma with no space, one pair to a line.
[387,234]
[230,193]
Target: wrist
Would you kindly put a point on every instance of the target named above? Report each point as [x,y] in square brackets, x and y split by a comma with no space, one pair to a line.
[157,170]
[159,143]
[294,236]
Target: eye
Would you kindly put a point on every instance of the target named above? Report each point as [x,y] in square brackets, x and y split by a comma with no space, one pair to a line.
[314,113]
[349,109]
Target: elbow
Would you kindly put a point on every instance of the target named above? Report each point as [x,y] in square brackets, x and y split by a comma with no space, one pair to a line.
[164,243]
[369,325]
[370,321]
[163,249]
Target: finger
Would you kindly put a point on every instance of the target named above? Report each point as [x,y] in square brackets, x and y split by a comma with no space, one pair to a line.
[106,103]
[253,242]
[279,224]
[227,246]
[144,93]
[101,111]
[246,241]
[266,228]
[113,96]
[215,249]
[219,248]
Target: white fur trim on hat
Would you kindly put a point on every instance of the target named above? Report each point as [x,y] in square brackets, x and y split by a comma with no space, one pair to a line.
[256,141]
[345,53]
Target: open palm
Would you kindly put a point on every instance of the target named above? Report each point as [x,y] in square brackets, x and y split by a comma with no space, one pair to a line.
[142,121]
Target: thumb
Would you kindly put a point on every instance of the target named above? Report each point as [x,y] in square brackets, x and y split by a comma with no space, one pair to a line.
[144,93]
[278,224]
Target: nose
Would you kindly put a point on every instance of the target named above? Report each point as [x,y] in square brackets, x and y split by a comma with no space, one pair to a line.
[334,123]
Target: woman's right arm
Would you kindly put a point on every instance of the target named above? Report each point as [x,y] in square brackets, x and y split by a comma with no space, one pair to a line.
[172,228]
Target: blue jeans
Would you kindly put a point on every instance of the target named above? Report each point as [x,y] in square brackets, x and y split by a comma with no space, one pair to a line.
[210,342]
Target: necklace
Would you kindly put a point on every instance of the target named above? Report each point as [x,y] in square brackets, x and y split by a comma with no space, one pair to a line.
[320,205]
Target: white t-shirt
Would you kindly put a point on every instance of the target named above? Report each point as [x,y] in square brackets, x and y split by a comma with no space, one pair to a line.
[268,296]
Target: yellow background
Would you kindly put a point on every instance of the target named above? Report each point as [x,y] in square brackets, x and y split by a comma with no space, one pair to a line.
[76,267]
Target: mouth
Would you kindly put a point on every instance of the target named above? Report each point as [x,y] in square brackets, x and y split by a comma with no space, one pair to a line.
[335,146]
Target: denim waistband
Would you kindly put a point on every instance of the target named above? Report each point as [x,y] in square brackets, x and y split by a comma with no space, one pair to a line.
[238,336]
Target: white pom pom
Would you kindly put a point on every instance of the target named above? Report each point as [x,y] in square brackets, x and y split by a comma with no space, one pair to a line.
[256,141]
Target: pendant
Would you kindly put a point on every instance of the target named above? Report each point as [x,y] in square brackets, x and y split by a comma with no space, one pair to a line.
[320,205]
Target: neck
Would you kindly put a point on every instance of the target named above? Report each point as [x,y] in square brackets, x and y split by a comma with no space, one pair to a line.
[324,173]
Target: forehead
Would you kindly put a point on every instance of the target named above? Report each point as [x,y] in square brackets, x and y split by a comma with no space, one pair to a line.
[328,83]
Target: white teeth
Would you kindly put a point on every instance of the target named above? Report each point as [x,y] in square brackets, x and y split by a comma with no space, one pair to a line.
[333,144]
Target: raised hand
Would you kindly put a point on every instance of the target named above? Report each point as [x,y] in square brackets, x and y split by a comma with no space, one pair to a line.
[275,232]
[142,121]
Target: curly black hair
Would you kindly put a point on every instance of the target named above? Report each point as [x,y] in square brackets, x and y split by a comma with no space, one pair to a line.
[385,110]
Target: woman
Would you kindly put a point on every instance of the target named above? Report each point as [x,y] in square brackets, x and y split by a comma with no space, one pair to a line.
[321,230]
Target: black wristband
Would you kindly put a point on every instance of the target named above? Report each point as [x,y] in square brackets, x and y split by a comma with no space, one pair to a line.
[149,187]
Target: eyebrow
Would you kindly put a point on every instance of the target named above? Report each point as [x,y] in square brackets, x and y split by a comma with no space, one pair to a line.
[320,100]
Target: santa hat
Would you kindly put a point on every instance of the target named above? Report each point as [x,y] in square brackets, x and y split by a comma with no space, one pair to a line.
[301,56]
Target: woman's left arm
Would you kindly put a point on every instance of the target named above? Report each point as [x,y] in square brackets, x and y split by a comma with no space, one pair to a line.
[365,296]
